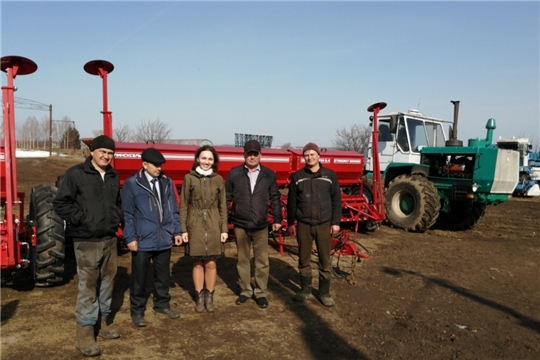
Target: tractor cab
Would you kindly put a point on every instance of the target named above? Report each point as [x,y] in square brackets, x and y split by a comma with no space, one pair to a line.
[402,136]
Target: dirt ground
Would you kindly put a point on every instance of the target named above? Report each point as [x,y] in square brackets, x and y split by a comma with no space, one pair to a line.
[438,295]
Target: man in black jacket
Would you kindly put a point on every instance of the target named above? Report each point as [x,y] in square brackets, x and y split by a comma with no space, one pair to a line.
[89,199]
[250,187]
[314,201]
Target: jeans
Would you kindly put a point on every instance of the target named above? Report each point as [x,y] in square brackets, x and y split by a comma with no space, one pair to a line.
[96,268]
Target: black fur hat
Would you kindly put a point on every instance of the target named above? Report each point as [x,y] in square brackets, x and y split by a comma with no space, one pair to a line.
[102,142]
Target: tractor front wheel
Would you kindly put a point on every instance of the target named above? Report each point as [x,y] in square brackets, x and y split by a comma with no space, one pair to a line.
[412,203]
[462,216]
[50,249]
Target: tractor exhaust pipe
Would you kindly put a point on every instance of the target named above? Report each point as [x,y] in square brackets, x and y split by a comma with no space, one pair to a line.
[453,130]
[456,115]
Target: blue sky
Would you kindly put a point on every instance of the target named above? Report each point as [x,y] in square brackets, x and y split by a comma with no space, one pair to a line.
[295,70]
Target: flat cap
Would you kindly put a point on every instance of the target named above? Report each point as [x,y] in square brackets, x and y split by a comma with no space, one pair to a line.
[102,142]
[153,156]
[252,146]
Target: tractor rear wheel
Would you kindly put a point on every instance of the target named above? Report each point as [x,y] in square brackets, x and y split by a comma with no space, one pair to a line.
[462,216]
[50,238]
[412,203]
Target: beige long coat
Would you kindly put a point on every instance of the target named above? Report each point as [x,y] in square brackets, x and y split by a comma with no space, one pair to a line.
[203,214]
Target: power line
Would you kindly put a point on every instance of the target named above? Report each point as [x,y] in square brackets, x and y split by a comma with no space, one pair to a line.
[30,104]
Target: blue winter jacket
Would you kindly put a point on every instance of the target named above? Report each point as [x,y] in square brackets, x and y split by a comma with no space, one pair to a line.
[141,215]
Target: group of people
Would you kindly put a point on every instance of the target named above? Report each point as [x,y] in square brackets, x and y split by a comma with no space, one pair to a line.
[90,199]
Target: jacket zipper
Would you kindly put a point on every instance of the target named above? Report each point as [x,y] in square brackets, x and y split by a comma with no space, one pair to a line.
[204,217]
[155,202]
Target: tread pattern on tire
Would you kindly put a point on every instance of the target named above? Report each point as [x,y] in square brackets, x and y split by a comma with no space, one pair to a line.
[427,203]
[462,216]
[49,235]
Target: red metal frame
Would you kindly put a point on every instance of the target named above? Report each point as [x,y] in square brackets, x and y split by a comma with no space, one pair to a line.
[102,68]
[349,165]
[13,235]
[378,195]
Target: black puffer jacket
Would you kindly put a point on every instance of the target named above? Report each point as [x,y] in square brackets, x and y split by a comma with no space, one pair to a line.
[250,211]
[314,198]
[88,202]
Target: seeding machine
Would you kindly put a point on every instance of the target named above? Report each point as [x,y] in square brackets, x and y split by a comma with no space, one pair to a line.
[37,241]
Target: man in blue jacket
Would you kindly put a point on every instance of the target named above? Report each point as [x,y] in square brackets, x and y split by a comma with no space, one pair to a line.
[151,225]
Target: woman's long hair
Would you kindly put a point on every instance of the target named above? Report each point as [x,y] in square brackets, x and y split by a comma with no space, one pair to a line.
[214,153]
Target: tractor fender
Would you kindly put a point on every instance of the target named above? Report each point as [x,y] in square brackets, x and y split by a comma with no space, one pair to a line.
[394,170]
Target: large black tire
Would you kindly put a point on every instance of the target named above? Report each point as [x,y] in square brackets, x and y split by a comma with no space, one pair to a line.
[412,203]
[50,249]
[462,216]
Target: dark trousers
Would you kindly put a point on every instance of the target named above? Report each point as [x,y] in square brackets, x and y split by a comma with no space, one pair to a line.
[323,241]
[140,262]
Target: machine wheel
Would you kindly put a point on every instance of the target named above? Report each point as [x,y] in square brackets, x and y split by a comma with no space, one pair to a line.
[462,216]
[50,249]
[369,225]
[412,203]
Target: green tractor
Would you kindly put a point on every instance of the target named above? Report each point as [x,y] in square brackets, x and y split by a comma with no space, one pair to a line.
[430,180]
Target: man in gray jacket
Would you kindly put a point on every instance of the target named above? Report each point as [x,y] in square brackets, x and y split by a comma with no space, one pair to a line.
[250,187]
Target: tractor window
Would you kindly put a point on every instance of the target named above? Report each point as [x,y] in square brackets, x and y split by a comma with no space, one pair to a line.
[417,133]
[384,133]
[435,134]
[401,136]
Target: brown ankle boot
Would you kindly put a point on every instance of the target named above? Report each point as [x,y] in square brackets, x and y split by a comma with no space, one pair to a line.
[86,342]
[199,302]
[209,301]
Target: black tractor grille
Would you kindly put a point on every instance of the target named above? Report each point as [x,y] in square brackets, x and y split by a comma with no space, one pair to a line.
[460,192]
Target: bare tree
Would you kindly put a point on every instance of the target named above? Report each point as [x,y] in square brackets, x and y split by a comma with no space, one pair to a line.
[123,133]
[356,138]
[152,130]
[286,146]
[43,129]
[59,128]
[28,133]
[96,133]
[71,138]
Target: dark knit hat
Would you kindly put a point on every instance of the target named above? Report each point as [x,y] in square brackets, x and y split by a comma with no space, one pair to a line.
[311,146]
[102,142]
[252,146]
[153,156]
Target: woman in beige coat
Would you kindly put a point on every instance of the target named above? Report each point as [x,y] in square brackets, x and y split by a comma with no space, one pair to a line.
[203,215]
